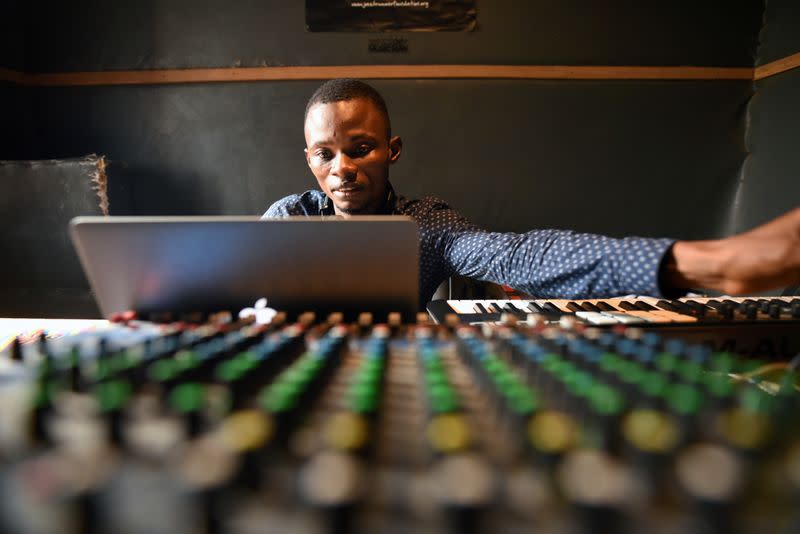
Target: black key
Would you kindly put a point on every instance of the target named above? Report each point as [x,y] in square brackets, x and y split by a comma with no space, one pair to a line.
[516,308]
[685,309]
[736,306]
[552,308]
[510,308]
[795,304]
[574,306]
[723,309]
[627,306]
[751,312]
[701,309]
[667,305]
[605,306]
[588,306]
[535,308]
[763,305]
[749,308]
[644,306]
[780,303]
[481,308]
[774,311]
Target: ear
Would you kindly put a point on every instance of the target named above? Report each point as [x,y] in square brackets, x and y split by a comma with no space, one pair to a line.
[395,148]
[308,160]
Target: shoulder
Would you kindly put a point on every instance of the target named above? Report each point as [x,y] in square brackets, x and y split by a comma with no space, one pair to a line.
[308,203]
[431,211]
[422,206]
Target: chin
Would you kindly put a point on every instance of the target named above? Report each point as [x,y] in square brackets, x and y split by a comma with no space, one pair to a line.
[351,210]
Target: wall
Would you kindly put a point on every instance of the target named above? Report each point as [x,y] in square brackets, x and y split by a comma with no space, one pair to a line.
[613,157]
[14,103]
[771,181]
[98,35]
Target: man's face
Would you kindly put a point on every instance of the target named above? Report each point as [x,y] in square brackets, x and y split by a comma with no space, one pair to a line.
[349,152]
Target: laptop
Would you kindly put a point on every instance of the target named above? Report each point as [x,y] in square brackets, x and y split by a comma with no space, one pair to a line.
[207,264]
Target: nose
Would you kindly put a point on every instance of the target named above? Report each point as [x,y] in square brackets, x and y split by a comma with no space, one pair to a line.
[343,167]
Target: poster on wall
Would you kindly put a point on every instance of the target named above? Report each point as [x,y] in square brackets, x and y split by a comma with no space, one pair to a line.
[390,15]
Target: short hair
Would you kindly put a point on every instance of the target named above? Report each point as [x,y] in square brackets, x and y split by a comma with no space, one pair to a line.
[343,89]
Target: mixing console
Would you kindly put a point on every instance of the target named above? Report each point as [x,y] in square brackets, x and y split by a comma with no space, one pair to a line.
[316,425]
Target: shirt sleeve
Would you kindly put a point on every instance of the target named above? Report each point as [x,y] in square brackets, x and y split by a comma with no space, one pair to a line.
[551,263]
[281,207]
[295,205]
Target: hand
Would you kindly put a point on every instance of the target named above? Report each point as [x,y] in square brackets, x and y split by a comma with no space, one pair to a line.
[766,257]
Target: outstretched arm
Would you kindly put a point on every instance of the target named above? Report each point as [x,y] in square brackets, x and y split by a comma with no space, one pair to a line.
[766,257]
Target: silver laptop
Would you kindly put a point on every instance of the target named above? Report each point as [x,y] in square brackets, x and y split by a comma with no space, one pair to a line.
[207,264]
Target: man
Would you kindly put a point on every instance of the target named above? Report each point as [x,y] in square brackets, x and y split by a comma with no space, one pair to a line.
[349,148]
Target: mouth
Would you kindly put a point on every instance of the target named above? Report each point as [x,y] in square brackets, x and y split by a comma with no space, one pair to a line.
[348,191]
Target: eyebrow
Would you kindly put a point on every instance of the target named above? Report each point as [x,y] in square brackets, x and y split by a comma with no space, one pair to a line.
[352,138]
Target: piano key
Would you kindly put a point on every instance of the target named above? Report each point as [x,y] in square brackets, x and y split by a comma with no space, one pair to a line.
[674,317]
[780,303]
[625,318]
[588,306]
[700,308]
[597,318]
[510,308]
[667,305]
[605,306]
[552,308]
[688,310]
[574,306]
[535,308]
[642,305]
[650,317]
[462,306]
[725,310]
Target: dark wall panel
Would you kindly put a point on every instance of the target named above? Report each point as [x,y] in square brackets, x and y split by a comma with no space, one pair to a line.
[13,99]
[780,32]
[7,120]
[771,178]
[772,183]
[102,35]
[608,157]
[13,34]
[14,121]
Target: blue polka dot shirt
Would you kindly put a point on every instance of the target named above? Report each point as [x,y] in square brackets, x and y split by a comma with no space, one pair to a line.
[542,263]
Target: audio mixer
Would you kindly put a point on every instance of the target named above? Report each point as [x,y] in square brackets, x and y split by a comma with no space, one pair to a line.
[316,425]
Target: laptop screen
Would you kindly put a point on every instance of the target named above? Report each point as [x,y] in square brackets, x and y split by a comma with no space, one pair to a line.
[209,264]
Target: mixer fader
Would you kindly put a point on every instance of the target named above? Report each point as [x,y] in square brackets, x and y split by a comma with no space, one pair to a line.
[318,425]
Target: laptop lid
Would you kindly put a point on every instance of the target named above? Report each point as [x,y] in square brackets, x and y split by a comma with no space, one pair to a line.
[209,264]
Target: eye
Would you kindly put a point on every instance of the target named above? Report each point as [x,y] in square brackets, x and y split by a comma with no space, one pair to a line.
[323,155]
[362,150]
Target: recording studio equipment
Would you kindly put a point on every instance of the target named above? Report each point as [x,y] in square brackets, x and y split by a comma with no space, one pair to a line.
[206,264]
[763,327]
[313,424]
